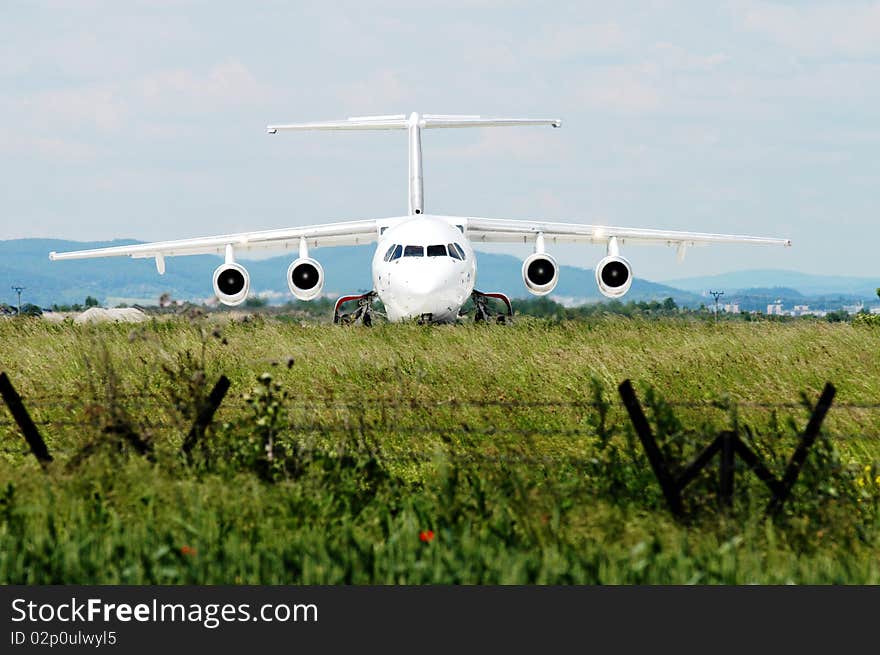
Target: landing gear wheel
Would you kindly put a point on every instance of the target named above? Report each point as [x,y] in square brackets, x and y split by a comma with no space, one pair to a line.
[364,312]
[484,314]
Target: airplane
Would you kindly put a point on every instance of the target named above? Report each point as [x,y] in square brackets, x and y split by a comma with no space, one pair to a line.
[424,266]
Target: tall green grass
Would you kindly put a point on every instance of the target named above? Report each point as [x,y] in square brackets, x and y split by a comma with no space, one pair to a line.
[447,454]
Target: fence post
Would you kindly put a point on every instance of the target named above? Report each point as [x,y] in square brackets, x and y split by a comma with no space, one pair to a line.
[800,454]
[655,457]
[21,416]
[206,415]
[725,487]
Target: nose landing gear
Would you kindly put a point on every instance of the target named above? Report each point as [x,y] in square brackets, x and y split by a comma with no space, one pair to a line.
[364,311]
[484,314]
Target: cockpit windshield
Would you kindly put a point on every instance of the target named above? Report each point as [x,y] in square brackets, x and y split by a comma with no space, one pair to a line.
[397,251]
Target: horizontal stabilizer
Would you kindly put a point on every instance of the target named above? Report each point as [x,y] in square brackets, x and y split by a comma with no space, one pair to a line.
[397,122]
[401,122]
[431,121]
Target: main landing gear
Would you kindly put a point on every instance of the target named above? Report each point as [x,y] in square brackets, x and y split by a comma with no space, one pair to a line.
[484,314]
[364,311]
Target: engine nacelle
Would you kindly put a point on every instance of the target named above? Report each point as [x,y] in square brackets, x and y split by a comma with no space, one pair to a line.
[231,283]
[305,278]
[540,273]
[613,276]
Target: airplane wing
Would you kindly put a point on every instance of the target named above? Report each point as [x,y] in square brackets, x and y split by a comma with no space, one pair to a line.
[350,233]
[495,230]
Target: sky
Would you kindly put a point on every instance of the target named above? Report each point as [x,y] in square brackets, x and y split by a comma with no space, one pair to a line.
[147,120]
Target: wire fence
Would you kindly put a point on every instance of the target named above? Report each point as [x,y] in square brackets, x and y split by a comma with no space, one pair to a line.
[54,399]
[379,415]
[369,411]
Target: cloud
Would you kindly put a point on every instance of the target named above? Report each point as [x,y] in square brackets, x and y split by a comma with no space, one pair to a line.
[629,89]
[676,58]
[528,143]
[227,83]
[62,149]
[142,102]
[560,42]
[818,30]
[382,92]
[101,108]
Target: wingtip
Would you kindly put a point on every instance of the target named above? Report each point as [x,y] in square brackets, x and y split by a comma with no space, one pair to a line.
[557,123]
[52,256]
[788,243]
[271,130]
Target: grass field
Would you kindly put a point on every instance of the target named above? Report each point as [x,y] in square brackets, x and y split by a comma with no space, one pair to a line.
[446,454]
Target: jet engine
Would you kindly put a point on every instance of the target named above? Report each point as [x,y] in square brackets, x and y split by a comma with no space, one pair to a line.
[305,278]
[231,283]
[613,276]
[540,273]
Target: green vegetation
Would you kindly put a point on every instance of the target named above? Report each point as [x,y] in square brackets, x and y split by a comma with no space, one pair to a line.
[321,310]
[415,454]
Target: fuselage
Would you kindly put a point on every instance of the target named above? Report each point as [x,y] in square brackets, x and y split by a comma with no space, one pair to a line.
[423,266]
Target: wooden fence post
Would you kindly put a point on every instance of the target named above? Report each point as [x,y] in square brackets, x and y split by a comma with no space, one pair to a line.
[800,454]
[655,457]
[725,478]
[21,416]
[206,415]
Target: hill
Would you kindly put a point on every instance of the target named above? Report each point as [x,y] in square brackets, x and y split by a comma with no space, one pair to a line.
[805,284]
[112,280]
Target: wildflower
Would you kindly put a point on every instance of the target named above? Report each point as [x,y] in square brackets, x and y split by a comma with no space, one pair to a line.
[426,536]
[189,551]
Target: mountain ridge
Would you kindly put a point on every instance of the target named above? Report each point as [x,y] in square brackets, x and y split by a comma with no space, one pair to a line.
[347,269]
[807,284]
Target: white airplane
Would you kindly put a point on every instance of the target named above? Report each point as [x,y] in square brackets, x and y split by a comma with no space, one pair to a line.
[425,265]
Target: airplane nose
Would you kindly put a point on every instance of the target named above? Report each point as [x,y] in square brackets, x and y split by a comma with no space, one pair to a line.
[427,286]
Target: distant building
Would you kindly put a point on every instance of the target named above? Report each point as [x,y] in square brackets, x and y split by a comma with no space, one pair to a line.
[775,309]
[730,308]
[875,309]
[854,309]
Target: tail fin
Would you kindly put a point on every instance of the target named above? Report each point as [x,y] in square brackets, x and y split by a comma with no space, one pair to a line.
[414,123]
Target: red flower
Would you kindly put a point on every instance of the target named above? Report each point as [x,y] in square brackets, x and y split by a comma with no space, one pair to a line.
[189,551]
[426,536]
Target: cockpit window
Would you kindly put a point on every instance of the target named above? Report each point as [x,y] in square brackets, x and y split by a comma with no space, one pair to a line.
[437,251]
[390,252]
[453,252]
[414,251]
[398,251]
[460,251]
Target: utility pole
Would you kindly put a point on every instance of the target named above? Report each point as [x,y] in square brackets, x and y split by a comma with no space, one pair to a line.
[18,290]
[716,295]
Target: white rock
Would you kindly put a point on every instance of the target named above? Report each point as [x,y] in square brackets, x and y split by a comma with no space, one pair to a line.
[119,315]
